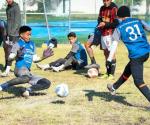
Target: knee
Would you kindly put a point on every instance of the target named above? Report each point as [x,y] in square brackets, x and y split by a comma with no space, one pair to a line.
[45,82]
[87,45]
[139,83]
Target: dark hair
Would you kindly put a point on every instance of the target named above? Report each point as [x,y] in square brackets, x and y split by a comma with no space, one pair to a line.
[71,34]
[123,11]
[24,29]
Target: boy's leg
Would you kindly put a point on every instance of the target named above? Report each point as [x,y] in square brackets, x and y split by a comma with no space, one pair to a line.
[90,52]
[7,49]
[137,73]
[126,74]
[40,85]
[23,76]
[58,62]
[52,64]
[15,81]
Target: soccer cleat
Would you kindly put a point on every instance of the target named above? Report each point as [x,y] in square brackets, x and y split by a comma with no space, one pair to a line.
[111,89]
[110,77]
[57,69]
[40,66]
[104,76]
[1,88]
[92,66]
[4,74]
[26,94]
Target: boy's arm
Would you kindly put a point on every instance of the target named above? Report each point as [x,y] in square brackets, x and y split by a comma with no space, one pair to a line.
[145,25]
[13,52]
[46,53]
[112,25]
[72,52]
[116,38]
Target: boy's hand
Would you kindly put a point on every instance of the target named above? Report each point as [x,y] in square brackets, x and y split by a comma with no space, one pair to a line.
[20,52]
[47,53]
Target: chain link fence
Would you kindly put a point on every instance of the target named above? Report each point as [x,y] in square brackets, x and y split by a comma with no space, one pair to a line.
[56,18]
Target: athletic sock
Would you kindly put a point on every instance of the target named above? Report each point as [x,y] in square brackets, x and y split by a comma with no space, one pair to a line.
[120,81]
[7,69]
[113,67]
[144,90]
[93,61]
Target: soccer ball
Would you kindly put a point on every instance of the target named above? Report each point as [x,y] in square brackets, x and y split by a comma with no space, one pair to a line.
[62,90]
[92,72]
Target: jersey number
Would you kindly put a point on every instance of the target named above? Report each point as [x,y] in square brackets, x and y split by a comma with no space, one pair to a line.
[134,32]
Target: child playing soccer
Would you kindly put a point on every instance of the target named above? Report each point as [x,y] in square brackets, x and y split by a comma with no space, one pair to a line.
[24,53]
[131,32]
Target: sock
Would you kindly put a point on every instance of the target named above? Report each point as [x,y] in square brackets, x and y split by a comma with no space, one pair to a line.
[120,81]
[93,61]
[7,69]
[144,90]
[113,67]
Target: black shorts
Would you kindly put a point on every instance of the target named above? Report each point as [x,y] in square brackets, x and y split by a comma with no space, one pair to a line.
[95,39]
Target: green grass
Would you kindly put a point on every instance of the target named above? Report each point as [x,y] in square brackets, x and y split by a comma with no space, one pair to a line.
[88,103]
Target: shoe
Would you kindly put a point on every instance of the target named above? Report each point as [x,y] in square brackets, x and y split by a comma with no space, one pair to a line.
[26,94]
[40,66]
[111,89]
[57,69]
[92,66]
[4,74]
[110,77]
[1,88]
[104,76]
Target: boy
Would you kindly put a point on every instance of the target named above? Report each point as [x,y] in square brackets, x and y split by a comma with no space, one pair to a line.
[107,18]
[75,59]
[13,24]
[131,32]
[24,52]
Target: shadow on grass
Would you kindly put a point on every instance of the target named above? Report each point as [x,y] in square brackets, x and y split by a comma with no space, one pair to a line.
[117,98]
[58,102]
[17,91]
[81,72]
[106,96]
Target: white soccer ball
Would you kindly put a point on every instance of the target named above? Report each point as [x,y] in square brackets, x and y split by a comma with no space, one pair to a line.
[93,72]
[62,90]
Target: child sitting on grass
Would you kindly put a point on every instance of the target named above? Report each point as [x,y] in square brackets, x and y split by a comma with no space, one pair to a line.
[24,53]
[75,59]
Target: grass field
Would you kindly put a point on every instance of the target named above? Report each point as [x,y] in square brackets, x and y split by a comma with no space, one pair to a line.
[88,103]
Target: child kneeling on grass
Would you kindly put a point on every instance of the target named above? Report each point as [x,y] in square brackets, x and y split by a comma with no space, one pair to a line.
[24,53]
[131,32]
[75,59]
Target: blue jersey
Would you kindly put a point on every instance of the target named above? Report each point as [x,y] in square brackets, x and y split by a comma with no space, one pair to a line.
[131,32]
[80,53]
[28,50]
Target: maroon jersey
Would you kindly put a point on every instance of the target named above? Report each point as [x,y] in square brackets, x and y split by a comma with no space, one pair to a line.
[107,15]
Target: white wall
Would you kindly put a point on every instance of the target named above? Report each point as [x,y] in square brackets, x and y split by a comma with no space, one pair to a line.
[86,6]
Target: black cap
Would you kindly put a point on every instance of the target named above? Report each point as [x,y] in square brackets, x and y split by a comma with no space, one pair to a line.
[123,11]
